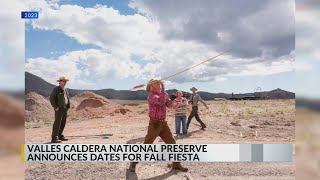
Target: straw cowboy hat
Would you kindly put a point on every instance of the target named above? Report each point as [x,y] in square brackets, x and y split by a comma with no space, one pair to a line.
[193,88]
[62,78]
[150,83]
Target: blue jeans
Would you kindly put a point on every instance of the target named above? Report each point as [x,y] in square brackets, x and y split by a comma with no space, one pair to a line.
[182,119]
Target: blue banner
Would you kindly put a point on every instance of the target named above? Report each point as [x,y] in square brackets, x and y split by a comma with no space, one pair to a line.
[29,15]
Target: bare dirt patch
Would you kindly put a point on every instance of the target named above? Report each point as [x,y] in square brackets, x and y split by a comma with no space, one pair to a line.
[37,108]
[268,117]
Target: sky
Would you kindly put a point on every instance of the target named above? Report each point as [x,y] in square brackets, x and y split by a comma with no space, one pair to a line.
[119,44]
[12,54]
[308,48]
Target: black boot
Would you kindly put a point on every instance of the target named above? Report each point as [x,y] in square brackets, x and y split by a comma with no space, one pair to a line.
[62,138]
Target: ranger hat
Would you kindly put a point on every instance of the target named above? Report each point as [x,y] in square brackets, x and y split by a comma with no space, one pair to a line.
[62,78]
[193,88]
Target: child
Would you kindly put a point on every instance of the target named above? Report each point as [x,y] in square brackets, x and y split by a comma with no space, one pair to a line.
[180,104]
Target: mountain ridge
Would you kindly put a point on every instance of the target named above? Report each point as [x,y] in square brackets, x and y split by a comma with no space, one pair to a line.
[36,84]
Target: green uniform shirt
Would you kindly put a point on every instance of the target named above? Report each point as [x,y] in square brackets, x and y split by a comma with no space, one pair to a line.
[59,98]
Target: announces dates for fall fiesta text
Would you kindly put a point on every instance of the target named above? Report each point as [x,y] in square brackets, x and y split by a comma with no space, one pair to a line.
[112,157]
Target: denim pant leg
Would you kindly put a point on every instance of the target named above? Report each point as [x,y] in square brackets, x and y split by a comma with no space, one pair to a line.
[184,125]
[178,124]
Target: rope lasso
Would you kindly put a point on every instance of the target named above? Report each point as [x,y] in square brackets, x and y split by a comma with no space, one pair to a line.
[142,85]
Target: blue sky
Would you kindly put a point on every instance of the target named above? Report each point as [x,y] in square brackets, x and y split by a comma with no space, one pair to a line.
[91,54]
[55,43]
[120,5]
[49,44]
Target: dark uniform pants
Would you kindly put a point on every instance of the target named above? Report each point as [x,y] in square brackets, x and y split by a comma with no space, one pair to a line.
[159,128]
[194,113]
[59,123]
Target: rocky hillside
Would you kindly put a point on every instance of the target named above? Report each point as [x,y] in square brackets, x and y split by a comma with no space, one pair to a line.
[86,105]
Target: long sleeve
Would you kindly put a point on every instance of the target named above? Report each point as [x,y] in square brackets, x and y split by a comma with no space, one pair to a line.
[53,98]
[155,99]
[168,101]
[157,105]
[174,104]
[201,100]
[186,102]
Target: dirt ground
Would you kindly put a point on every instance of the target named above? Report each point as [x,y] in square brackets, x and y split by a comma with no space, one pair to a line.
[265,121]
[308,144]
[158,171]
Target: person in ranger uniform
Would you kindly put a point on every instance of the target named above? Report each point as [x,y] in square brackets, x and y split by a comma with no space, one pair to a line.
[195,99]
[60,102]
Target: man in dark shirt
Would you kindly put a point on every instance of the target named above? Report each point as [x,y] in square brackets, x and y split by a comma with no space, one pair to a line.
[60,102]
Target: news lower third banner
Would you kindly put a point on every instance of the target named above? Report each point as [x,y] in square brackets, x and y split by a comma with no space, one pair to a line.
[156,152]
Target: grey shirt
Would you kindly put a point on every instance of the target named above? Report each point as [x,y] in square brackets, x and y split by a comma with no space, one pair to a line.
[195,98]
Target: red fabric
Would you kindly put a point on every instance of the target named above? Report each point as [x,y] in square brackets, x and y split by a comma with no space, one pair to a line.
[158,102]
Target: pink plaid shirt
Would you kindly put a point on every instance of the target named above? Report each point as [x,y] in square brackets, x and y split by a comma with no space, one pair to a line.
[157,104]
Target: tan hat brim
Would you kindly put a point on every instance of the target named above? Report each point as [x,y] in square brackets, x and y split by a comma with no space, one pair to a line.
[65,80]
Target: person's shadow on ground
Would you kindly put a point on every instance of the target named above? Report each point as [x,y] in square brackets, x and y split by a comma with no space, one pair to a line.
[194,132]
[133,176]
[136,140]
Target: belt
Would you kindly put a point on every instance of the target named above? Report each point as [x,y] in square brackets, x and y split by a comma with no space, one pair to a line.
[155,119]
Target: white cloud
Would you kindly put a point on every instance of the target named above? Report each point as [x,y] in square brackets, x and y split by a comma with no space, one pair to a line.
[260,69]
[100,25]
[11,44]
[91,65]
[118,37]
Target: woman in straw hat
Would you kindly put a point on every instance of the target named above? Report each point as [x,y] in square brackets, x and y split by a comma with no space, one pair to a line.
[158,101]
